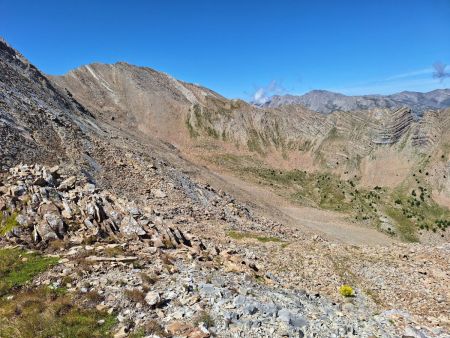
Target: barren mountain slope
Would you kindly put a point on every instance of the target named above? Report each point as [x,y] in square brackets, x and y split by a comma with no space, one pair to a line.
[388,148]
[38,121]
[137,97]
[197,119]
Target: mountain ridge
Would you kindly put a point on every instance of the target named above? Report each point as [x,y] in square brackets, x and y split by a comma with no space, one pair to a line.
[325,102]
[380,147]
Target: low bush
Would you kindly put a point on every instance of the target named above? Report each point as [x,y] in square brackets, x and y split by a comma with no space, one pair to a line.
[346,291]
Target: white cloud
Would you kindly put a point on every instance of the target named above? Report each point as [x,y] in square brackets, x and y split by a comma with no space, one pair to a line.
[263,94]
[259,96]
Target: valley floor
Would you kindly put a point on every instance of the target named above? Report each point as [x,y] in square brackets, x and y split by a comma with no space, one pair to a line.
[332,225]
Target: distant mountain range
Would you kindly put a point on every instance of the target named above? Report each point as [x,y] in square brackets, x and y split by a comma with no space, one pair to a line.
[327,102]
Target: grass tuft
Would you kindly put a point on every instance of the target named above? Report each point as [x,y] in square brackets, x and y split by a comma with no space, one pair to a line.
[246,235]
[8,223]
[17,267]
[43,312]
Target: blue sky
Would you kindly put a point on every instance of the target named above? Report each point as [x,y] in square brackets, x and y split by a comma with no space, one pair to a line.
[239,48]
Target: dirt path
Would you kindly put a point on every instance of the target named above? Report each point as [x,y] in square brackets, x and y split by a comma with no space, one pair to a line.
[329,224]
[336,227]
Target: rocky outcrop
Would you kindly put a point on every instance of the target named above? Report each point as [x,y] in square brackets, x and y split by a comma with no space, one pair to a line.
[394,127]
[48,206]
[140,267]
[431,130]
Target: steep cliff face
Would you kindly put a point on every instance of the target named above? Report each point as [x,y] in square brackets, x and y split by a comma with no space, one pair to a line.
[394,127]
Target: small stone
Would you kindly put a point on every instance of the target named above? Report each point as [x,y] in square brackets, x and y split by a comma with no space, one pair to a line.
[152,298]
[121,333]
[239,301]
[68,183]
[129,227]
[40,181]
[250,309]
[158,193]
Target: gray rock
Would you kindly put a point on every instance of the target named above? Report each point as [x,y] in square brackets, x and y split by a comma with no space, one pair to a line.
[43,231]
[129,226]
[250,309]
[291,319]
[239,301]
[55,222]
[208,289]
[268,309]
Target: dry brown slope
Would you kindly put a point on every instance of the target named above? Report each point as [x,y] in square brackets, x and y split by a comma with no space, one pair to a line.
[190,116]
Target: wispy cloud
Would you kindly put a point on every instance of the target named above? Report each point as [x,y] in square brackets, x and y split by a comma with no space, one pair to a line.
[413,73]
[440,71]
[262,94]
[416,80]
[421,80]
[389,87]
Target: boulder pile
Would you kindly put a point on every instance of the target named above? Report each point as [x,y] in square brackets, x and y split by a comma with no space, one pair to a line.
[43,205]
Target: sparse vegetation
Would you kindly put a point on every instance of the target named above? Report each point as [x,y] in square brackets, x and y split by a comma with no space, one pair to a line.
[192,132]
[149,279]
[43,312]
[246,235]
[8,222]
[17,267]
[135,295]
[114,251]
[327,191]
[205,318]
[152,327]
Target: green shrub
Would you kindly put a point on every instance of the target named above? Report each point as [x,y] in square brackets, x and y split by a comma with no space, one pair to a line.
[346,291]
[205,318]
[8,223]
